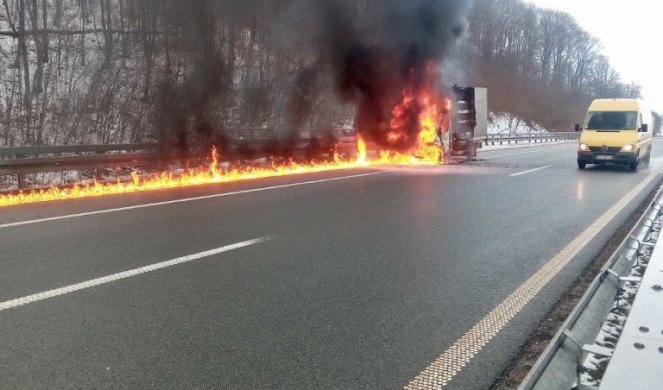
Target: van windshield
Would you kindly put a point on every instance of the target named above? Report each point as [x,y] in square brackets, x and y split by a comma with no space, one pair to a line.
[612,120]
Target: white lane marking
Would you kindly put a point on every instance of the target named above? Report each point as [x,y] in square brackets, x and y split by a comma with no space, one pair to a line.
[520,153]
[440,373]
[531,171]
[184,200]
[123,275]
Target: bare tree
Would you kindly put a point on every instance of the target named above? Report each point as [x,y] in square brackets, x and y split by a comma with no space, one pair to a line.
[74,71]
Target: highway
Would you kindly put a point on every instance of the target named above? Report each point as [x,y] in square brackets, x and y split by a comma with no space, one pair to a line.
[357,279]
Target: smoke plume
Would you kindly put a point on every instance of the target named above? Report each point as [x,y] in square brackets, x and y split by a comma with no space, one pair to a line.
[377,49]
[364,53]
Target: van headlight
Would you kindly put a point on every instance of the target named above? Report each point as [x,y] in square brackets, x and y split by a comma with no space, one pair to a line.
[627,148]
[584,148]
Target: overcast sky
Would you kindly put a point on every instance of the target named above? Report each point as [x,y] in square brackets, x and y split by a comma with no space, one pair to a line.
[632,36]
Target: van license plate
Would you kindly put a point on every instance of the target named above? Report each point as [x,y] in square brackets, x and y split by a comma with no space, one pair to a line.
[605,157]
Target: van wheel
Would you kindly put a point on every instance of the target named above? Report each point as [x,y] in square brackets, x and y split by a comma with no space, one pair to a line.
[581,165]
[634,165]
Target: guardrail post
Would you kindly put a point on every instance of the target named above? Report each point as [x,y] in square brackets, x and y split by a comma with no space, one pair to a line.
[21,181]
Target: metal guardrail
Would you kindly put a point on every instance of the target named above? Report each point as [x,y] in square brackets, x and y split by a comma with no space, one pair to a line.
[501,139]
[242,144]
[558,366]
[639,351]
[25,160]
[38,150]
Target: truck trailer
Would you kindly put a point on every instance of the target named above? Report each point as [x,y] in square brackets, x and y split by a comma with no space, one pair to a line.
[468,127]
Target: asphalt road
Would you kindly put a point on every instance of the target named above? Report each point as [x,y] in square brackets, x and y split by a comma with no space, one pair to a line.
[362,280]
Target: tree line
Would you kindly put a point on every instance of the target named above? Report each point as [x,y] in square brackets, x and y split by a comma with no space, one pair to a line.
[539,64]
[113,71]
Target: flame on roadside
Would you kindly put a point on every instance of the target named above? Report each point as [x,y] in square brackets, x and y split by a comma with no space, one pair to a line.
[213,173]
[362,152]
[426,151]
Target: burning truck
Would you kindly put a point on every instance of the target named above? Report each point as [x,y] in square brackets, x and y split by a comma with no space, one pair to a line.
[450,125]
[383,58]
[446,128]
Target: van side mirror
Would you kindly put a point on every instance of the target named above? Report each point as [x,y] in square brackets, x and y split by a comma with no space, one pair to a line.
[644,128]
[578,128]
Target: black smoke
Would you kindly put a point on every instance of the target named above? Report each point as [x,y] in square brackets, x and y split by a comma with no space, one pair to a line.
[364,52]
[377,49]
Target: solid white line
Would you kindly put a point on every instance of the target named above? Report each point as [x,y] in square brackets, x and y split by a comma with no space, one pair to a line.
[531,171]
[123,275]
[176,201]
[520,153]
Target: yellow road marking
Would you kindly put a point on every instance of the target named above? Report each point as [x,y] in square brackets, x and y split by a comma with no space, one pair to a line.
[451,363]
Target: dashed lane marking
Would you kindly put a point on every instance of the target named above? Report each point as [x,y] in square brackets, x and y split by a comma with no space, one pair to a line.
[521,153]
[124,275]
[440,373]
[184,200]
[531,171]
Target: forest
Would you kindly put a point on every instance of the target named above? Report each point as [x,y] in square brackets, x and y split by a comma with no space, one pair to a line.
[124,71]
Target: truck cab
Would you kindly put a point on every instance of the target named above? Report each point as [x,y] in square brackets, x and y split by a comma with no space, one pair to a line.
[616,131]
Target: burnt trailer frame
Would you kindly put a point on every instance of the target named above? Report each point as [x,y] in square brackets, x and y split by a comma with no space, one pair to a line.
[469,121]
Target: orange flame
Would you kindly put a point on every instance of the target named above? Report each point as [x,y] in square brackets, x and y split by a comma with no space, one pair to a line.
[362,152]
[427,151]
[211,174]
